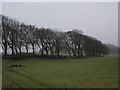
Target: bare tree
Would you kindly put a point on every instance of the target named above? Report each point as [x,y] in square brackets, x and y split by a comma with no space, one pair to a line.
[16,35]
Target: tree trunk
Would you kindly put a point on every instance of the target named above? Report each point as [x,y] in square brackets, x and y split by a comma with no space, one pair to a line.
[42,51]
[16,49]
[69,53]
[20,50]
[13,50]
[74,53]
[5,45]
[5,49]
[81,53]
[13,42]
[33,48]
[26,48]
[58,53]
[79,50]
[46,52]
[51,52]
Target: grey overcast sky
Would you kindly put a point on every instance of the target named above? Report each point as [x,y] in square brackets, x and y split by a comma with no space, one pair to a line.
[97,19]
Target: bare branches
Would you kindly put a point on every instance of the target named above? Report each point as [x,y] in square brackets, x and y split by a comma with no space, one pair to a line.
[46,41]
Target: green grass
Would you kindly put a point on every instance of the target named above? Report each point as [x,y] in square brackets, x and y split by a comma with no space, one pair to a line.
[96,72]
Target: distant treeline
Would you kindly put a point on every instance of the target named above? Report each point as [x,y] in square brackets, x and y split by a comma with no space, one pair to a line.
[74,43]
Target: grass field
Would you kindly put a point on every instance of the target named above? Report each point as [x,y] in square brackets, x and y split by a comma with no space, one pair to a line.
[93,72]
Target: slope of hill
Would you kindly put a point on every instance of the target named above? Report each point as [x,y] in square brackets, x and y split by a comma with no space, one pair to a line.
[113,49]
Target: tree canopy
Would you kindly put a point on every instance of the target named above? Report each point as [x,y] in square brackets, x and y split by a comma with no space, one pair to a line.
[73,43]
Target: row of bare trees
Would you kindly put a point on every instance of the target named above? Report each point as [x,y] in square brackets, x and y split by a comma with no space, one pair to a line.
[46,41]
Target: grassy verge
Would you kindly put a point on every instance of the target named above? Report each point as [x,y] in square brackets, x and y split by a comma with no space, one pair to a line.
[96,72]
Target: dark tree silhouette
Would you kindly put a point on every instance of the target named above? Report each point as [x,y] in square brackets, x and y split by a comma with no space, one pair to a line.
[17,35]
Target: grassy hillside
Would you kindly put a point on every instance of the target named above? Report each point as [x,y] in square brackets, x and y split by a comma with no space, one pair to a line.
[97,72]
